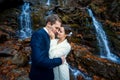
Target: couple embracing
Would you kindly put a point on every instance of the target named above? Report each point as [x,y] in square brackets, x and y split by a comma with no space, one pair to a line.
[49,53]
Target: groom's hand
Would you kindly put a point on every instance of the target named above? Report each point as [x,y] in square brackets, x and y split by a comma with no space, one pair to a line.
[63,59]
[51,34]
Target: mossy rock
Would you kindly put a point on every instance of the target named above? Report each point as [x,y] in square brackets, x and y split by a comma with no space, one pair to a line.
[66,18]
[74,25]
[38,17]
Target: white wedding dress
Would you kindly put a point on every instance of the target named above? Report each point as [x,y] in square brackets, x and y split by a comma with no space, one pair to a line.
[57,50]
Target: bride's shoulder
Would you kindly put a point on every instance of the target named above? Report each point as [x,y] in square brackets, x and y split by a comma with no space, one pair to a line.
[67,43]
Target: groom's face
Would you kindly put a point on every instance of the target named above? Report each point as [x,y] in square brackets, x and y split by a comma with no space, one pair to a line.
[55,27]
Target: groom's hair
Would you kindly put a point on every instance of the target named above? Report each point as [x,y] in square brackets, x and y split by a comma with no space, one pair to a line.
[53,18]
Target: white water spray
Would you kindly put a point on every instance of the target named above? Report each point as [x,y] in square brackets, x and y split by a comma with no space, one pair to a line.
[102,40]
[48,2]
[25,22]
[77,73]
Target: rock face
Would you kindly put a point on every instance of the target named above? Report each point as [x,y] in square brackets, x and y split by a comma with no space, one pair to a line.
[93,65]
[84,43]
[3,37]
[7,4]
[9,23]
[14,59]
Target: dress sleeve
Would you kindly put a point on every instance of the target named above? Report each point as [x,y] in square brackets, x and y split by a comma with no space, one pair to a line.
[53,43]
[60,51]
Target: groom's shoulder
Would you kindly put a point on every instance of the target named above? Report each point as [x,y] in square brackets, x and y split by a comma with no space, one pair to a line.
[39,31]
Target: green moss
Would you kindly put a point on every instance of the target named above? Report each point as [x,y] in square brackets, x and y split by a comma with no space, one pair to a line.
[115,43]
[38,17]
[74,25]
[109,32]
[75,40]
[8,14]
[65,19]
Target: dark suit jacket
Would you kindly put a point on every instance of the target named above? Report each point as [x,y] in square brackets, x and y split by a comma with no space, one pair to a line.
[42,66]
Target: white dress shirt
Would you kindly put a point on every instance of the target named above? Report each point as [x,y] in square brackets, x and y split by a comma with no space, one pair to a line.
[45,29]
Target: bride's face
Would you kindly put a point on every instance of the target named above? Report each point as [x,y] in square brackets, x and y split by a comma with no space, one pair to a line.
[61,33]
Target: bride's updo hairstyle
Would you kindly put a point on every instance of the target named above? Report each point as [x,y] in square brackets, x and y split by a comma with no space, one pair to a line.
[68,32]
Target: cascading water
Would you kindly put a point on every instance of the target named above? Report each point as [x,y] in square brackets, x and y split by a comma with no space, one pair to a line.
[25,30]
[102,40]
[48,2]
[76,73]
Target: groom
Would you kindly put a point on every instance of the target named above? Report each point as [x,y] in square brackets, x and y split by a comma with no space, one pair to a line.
[42,66]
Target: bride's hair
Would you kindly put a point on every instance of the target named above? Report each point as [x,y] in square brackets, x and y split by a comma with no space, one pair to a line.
[68,32]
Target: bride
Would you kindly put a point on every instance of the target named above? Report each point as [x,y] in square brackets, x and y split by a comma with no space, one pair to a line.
[58,48]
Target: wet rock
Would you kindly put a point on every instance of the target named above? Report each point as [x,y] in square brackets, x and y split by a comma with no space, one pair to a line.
[23,78]
[17,47]
[97,66]
[5,55]
[82,58]
[5,4]
[98,78]
[107,70]
[80,78]
[6,52]
[20,60]
[112,30]
[9,22]
[3,38]
[84,3]
[14,52]
[27,40]
[0,63]
[12,67]
[27,50]
[118,35]
[68,18]
[8,30]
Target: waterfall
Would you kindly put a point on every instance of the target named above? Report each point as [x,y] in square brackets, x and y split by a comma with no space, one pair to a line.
[25,30]
[76,73]
[102,40]
[48,2]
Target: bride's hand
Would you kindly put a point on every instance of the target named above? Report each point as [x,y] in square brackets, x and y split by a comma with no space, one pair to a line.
[51,34]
